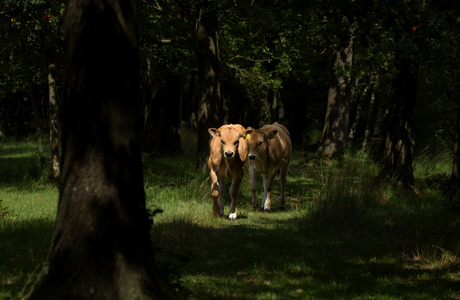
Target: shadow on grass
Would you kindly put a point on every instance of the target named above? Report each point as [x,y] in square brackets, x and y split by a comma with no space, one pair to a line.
[280,259]
[23,247]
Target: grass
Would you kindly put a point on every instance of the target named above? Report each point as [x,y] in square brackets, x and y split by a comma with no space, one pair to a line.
[342,236]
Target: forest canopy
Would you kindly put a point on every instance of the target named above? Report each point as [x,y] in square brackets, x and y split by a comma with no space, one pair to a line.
[328,70]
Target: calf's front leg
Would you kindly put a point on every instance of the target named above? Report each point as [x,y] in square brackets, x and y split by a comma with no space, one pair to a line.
[234,189]
[283,173]
[268,184]
[253,185]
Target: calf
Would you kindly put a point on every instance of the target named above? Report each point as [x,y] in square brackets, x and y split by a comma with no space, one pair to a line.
[229,151]
[269,151]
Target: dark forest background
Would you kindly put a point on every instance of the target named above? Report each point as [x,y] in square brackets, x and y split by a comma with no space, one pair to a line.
[382,77]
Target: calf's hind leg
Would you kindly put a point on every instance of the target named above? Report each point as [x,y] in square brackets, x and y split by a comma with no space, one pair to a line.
[283,174]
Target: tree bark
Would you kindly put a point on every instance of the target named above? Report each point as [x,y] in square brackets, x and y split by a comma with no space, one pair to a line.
[397,156]
[101,246]
[335,131]
[54,122]
[209,101]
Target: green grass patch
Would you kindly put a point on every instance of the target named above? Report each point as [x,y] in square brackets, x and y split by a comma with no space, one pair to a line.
[342,236]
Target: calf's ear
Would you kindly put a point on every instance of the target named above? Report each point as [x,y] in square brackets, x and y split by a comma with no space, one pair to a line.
[216,152]
[271,135]
[243,148]
[247,136]
[214,132]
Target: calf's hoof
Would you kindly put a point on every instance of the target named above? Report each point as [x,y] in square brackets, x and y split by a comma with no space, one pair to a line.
[232,216]
[281,208]
[266,209]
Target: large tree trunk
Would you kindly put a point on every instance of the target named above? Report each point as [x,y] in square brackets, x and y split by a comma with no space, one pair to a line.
[397,156]
[101,246]
[335,131]
[209,101]
[54,122]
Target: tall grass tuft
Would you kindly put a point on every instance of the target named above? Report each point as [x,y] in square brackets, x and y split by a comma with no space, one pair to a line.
[343,204]
[429,164]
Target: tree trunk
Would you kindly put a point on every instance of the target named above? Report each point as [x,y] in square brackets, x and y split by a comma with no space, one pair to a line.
[370,117]
[150,122]
[21,130]
[335,131]
[167,132]
[209,102]
[34,104]
[101,246]
[270,107]
[190,105]
[54,122]
[397,156]
[455,178]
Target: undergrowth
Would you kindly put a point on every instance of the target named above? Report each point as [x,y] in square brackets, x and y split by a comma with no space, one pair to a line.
[344,235]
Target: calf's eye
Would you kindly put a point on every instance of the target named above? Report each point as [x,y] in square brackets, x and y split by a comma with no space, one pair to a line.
[223,143]
[260,143]
[236,143]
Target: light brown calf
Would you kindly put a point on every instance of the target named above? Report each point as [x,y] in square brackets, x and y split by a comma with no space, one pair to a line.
[269,151]
[229,151]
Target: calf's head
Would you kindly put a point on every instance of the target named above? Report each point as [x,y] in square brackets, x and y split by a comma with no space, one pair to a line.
[232,141]
[258,142]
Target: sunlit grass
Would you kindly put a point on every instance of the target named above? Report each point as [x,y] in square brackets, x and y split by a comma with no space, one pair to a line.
[343,235]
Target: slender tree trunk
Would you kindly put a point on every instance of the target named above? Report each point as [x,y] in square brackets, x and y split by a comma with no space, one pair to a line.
[150,121]
[54,122]
[455,176]
[167,132]
[34,104]
[101,246]
[209,101]
[397,156]
[151,99]
[355,117]
[370,115]
[190,106]
[335,131]
[21,130]
[456,163]
[270,107]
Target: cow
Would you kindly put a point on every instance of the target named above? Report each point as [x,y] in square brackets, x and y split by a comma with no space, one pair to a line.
[229,152]
[269,152]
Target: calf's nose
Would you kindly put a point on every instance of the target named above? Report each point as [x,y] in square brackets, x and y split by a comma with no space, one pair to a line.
[228,154]
[252,156]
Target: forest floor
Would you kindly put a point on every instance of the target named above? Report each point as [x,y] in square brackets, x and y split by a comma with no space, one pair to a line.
[342,236]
